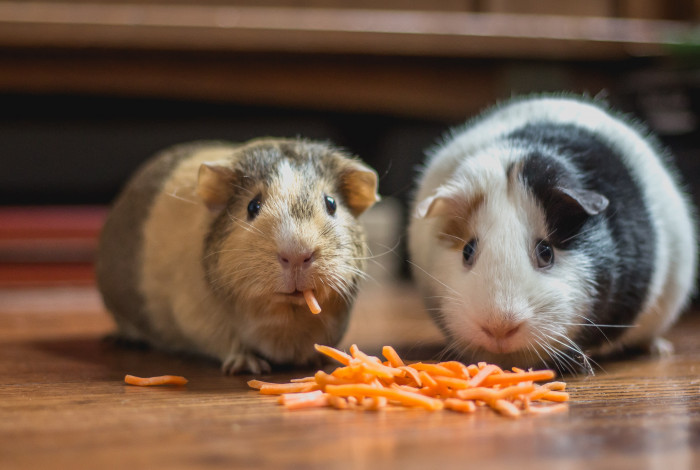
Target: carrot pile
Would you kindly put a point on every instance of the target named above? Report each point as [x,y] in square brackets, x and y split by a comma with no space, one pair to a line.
[366,382]
[158,380]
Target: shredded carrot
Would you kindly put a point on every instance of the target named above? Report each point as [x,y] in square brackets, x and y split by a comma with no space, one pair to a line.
[312,302]
[159,380]
[434,369]
[268,388]
[413,373]
[364,382]
[515,377]
[333,353]
[484,372]
[401,396]
[295,401]
[455,404]
[390,354]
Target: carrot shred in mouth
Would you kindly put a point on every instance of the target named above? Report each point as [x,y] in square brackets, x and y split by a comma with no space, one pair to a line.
[311,301]
[366,382]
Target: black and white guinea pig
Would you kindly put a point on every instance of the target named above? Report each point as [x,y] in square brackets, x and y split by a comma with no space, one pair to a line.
[212,248]
[550,230]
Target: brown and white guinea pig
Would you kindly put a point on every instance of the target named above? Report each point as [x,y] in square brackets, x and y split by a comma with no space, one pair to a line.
[210,245]
[549,230]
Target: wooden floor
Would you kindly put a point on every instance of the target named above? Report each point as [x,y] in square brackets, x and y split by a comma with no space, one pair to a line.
[63,404]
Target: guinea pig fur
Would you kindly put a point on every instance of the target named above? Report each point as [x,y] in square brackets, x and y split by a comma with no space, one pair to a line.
[208,248]
[551,230]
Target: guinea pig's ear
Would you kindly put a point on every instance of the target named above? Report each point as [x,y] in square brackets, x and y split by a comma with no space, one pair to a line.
[214,184]
[358,183]
[432,206]
[590,202]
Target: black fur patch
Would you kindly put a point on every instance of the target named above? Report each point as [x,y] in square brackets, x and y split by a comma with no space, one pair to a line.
[620,240]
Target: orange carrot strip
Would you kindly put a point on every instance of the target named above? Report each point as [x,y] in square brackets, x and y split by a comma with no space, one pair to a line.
[158,380]
[374,403]
[477,393]
[506,408]
[515,390]
[295,401]
[455,404]
[256,384]
[555,396]
[434,369]
[413,373]
[406,398]
[374,366]
[472,369]
[392,356]
[354,373]
[278,389]
[538,393]
[460,370]
[452,382]
[323,379]
[558,408]
[556,386]
[312,302]
[406,388]
[303,380]
[333,353]
[427,380]
[483,373]
[337,402]
[511,378]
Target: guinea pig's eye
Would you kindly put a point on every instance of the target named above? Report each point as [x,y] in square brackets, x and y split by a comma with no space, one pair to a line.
[254,207]
[330,204]
[544,254]
[469,252]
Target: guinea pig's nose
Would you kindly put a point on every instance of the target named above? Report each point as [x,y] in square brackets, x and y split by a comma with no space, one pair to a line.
[502,330]
[291,260]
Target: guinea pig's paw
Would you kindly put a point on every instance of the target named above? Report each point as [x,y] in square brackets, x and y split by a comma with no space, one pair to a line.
[239,362]
[661,347]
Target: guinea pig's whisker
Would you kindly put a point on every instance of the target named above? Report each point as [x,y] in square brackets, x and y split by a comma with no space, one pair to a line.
[340,286]
[598,325]
[459,239]
[584,357]
[180,198]
[434,278]
[389,250]
[579,234]
[562,357]
[594,324]
[585,361]
[243,188]
[243,224]
[561,361]
[534,350]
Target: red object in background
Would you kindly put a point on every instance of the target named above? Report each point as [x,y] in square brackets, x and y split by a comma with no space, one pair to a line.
[49,245]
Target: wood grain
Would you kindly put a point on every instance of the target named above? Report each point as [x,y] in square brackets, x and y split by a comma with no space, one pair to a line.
[63,404]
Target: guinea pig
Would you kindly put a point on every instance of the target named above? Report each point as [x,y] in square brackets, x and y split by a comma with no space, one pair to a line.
[552,230]
[211,246]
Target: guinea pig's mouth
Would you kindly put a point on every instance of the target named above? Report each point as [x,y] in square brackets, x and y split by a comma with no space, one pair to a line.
[296,297]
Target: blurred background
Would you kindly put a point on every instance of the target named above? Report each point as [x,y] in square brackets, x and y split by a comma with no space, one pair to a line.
[90,89]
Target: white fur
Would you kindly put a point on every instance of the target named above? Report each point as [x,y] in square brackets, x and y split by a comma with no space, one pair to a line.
[504,282]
